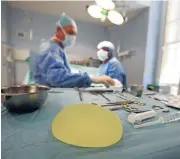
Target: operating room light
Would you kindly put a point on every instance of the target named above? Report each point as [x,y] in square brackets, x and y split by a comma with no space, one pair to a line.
[106,4]
[105,9]
[115,17]
[95,11]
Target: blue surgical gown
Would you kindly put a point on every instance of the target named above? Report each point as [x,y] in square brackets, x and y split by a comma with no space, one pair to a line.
[114,69]
[52,69]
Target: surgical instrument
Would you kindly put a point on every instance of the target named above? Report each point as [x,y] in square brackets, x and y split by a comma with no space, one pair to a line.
[162,120]
[80,94]
[117,103]
[135,101]
[128,108]
[160,109]
[137,118]
[96,90]
[55,92]
[121,105]
[101,94]
[104,97]
[122,97]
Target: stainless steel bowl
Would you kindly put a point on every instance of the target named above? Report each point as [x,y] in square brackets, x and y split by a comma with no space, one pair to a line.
[23,98]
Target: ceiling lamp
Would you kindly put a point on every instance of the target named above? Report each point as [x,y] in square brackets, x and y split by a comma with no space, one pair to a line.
[115,17]
[95,11]
[106,4]
[105,9]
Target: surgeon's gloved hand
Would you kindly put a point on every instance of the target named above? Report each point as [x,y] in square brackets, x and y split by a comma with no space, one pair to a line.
[106,80]
[117,83]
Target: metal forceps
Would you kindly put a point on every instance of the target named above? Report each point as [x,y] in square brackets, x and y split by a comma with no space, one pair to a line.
[101,94]
[104,96]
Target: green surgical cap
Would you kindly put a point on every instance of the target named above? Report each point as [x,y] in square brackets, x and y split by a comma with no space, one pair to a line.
[65,20]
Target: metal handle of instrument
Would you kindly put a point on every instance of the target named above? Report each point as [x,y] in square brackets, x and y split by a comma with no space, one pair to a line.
[114,103]
[55,92]
[80,93]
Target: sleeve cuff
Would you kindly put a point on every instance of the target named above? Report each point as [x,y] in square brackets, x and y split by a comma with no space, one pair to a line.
[88,80]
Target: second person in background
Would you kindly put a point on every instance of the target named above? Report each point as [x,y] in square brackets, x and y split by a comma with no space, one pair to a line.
[110,65]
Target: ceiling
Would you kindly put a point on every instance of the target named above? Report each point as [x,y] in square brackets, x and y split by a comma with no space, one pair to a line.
[77,9]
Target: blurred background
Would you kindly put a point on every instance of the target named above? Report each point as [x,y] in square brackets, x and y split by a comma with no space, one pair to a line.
[147,43]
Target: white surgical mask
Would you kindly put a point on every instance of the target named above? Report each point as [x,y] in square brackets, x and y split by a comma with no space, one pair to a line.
[69,40]
[102,55]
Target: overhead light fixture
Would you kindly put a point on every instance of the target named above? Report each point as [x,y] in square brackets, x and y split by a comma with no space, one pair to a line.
[105,9]
[115,17]
[95,11]
[105,4]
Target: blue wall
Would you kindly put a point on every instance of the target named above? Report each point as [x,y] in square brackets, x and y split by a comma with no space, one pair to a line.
[133,36]
[43,26]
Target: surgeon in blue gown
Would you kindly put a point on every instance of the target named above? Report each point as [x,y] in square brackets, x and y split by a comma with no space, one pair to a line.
[110,65]
[51,66]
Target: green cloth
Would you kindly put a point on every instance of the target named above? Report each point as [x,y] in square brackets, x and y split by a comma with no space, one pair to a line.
[29,136]
[29,76]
